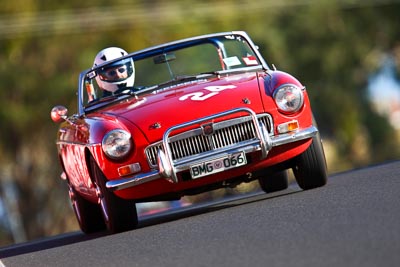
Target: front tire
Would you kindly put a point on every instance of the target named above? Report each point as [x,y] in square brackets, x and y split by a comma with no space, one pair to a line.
[274,182]
[88,214]
[310,166]
[119,214]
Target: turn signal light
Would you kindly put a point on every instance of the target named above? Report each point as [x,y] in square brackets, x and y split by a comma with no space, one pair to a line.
[129,169]
[288,126]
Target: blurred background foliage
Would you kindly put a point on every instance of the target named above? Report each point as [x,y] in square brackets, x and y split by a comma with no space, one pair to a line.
[333,47]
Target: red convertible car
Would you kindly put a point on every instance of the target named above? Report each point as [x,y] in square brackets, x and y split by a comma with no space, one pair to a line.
[201,113]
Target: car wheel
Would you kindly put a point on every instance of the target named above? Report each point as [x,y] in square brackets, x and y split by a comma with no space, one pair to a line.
[274,182]
[88,214]
[310,166]
[119,214]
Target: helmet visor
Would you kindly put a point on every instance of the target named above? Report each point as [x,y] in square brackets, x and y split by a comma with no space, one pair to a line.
[117,72]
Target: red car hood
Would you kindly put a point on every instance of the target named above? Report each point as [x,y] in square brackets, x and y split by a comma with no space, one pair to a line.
[156,112]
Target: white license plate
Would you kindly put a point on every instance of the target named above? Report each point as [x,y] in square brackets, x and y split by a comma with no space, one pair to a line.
[218,165]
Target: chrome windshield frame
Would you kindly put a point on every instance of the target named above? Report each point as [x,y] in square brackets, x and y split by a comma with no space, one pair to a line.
[154,50]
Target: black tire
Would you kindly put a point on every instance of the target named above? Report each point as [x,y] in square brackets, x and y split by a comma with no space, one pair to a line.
[274,182]
[119,214]
[88,214]
[310,167]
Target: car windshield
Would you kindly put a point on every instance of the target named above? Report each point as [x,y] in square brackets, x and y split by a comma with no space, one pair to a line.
[162,66]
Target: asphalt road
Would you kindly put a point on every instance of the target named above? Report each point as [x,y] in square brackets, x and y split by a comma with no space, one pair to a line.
[353,221]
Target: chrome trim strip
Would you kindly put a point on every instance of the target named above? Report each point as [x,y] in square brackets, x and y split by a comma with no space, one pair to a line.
[77,144]
[133,181]
[81,85]
[294,137]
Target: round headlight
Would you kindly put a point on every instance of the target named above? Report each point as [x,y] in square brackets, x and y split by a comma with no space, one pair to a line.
[289,98]
[117,144]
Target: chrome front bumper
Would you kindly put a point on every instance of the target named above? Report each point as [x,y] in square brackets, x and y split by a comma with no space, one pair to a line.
[168,168]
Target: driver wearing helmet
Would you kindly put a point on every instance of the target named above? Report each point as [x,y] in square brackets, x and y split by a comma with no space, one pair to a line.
[117,76]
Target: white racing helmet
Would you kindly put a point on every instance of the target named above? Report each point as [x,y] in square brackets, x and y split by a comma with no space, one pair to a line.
[120,74]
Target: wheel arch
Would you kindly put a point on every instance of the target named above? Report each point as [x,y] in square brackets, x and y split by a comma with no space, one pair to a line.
[88,155]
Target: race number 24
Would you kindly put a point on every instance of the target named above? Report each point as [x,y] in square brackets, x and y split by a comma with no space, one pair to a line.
[212,91]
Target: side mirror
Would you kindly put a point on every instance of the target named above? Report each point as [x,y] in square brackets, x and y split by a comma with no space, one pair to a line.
[59,114]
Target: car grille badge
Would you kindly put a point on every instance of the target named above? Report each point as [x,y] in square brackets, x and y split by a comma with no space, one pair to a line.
[156,125]
[208,129]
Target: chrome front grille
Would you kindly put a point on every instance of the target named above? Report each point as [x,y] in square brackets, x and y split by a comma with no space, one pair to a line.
[225,134]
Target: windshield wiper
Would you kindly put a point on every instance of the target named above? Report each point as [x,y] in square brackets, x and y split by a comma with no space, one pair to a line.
[197,76]
[108,98]
[126,91]
[182,78]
